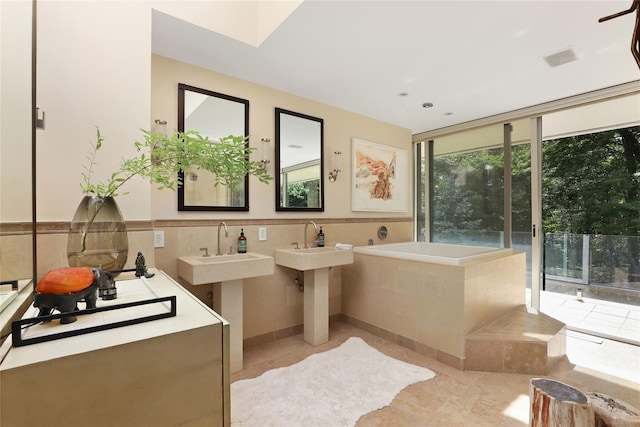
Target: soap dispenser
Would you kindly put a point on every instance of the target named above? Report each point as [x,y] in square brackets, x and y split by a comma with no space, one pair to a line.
[320,238]
[242,242]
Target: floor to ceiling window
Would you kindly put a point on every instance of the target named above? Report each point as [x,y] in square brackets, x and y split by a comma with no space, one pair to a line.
[586,190]
[462,197]
[467,175]
[466,200]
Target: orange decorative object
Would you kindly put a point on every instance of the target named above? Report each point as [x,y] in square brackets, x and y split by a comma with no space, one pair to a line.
[65,280]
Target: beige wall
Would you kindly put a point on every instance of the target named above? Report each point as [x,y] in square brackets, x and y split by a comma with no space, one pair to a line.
[15,141]
[271,303]
[339,127]
[94,62]
[95,68]
[15,111]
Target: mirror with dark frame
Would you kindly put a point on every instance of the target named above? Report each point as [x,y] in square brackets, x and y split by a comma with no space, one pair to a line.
[215,116]
[299,162]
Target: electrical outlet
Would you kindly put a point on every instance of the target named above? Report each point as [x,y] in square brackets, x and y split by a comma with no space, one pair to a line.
[158,239]
[262,234]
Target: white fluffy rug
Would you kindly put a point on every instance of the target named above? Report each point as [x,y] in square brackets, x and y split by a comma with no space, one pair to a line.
[329,389]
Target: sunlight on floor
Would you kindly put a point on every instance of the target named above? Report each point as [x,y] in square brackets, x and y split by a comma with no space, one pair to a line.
[519,409]
[594,356]
[469,398]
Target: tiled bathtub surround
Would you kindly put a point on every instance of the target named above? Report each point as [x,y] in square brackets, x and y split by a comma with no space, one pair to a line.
[435,305]
[522,342]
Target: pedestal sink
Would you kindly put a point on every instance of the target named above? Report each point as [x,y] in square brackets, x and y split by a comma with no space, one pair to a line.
[315,263]
[227,273]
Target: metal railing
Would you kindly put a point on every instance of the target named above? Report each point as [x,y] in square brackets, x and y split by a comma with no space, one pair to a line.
[603,260]
[585,259]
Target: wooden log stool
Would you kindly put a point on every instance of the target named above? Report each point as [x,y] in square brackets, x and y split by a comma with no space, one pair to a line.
[610,412]
[554,404]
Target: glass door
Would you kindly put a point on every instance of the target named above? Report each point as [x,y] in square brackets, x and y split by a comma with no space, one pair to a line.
[590,189]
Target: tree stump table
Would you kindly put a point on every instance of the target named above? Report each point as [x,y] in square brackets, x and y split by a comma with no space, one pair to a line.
[554,404]
[610,412]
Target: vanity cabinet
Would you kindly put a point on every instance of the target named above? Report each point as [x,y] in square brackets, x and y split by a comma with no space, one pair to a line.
[166,372]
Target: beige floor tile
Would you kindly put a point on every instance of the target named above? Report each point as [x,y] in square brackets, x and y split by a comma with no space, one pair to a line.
[466,398]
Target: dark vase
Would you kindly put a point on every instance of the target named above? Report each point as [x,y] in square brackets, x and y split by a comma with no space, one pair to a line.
[98,235]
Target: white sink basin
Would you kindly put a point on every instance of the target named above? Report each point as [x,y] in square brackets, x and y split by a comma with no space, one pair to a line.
[199,270]
[313,258]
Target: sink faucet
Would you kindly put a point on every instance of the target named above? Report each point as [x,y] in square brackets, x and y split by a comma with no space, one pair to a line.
[226,234]
[305,232]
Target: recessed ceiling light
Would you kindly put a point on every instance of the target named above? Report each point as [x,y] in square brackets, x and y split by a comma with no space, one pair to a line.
[561,58]
[427,105]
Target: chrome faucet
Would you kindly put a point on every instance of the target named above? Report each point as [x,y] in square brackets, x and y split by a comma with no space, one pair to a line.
[305,232]
[226,234]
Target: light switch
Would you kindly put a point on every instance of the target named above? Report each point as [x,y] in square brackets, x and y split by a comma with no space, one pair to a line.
[158,239]
[262,233]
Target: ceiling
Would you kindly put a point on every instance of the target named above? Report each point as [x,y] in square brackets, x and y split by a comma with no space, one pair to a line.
[385,59]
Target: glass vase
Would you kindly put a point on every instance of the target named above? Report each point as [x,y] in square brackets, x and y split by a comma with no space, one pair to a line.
[98,235]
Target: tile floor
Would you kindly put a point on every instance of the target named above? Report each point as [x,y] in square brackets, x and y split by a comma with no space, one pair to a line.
[615,320]
[456,398]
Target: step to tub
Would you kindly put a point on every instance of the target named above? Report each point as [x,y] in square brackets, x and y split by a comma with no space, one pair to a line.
[522,342]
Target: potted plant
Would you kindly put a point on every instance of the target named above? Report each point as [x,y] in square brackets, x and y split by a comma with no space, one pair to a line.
[97,235]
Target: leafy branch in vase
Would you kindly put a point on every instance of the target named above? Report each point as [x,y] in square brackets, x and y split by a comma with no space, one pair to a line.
[161,159]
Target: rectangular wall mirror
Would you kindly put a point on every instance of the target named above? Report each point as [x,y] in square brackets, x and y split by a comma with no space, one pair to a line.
[214,115]
[299,162]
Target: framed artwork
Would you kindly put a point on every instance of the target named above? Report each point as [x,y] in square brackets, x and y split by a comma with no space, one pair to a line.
[379,177]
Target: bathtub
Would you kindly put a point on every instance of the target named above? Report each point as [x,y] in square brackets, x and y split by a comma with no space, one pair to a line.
[432,295]
[440,253]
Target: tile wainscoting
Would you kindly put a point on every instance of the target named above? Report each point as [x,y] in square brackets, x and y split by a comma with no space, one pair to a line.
[273,304]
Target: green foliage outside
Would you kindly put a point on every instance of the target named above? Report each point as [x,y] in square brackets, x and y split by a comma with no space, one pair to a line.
[590,185]
[468,192]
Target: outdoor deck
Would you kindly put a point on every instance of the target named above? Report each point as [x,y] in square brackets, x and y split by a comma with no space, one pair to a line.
[616,318]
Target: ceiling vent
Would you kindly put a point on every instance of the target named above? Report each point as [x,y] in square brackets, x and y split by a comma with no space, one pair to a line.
[561,58]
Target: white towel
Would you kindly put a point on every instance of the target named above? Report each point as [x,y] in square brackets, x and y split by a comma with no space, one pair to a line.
[344,246]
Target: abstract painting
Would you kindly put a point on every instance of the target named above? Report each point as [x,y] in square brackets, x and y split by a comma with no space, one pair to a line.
[379,178]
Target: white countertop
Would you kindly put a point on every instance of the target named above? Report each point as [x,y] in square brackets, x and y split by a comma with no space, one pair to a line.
[191,314]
